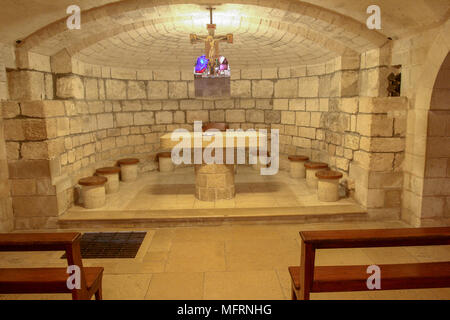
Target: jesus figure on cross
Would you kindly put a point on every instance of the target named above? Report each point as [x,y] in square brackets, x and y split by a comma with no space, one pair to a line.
[211,42]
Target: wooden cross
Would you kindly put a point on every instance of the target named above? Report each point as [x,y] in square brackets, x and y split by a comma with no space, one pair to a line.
[211,41]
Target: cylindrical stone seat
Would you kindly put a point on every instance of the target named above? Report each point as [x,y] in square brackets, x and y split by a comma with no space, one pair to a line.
[93,191]
[258,165]
[328,185]
[298,166]
[165,162]
[311,169]
[214,182]
[112,174]
[128,169]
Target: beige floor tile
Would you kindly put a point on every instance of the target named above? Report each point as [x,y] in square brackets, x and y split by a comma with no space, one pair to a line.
[394,295]
[196,256]
[329,257]
[285,281]
[251,285]
[261,254]
[125,286]
[176,286]
[129,267]
[430,253]
[389,255]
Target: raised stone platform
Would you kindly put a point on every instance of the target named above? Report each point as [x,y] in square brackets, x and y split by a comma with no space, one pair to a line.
[218,216]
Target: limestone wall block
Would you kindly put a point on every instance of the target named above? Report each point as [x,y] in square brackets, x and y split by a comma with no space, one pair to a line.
[250,74]
[158,90]
[26,85]
[349,85]
[288,117]
[374,125]
[105,121]
[35,206]
[151,105]
[262,88]
[144,74]
[302,119]
[163,117]
[144,118]
[70,87]
[280,104]
[269,73]
[298,71]
[136,90]
[286,88]
[178,90]
[179,117]
[123,73]
[217,116]
[43,109]
[235,115]
[272,116]
[10,109]
[131,106]
[92,91]
[124,119]
[297,104]
[308,87]
[191,105]
[284,72]
[241,88]
[255,116]
[173,75]
[170,105]
[223,104]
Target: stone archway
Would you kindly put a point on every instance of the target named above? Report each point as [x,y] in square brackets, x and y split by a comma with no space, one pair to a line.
[436,188]
[416,200]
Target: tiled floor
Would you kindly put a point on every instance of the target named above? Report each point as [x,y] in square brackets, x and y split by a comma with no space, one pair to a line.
[231,262]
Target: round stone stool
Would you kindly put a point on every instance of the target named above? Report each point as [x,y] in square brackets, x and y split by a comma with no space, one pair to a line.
[112,174]
[165,162]
[93,191]
[311,169]
[298,166]
[328,185]
[258,165]
[128,169]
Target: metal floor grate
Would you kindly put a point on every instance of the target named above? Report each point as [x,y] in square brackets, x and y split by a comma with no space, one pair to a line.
[110,245]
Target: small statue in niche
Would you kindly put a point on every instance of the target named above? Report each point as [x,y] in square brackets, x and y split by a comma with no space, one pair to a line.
[395,81]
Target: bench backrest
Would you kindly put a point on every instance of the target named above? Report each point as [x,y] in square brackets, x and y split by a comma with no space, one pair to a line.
[68,242]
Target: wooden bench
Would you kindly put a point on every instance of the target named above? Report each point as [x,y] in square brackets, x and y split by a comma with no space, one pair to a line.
[48,280]
[308,278]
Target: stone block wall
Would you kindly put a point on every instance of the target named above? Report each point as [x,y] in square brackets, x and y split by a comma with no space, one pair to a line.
[6,211]
[69,124]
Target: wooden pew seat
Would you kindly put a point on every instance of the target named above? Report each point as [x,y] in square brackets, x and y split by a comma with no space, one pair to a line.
[44,280]
[394,277]
[49,280]
[308,277]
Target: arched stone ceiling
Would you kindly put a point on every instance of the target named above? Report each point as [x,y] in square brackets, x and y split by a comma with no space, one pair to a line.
[148,33]
[20,18]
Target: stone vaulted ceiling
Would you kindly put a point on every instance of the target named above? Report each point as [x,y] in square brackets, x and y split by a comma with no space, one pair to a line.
[155,34]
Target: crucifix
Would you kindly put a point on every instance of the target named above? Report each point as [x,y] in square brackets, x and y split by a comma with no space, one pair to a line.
[211,42]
